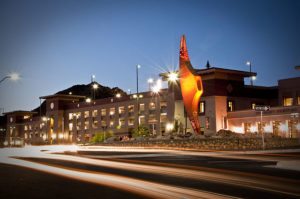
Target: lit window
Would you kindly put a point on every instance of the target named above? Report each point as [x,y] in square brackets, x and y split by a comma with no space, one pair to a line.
[26,117]
[131,122]
[121,110]
[95,124]
[142,119]
[253,106]
[298,100]
[70,126]
[130,108]
[112,111]
[103,112]
[103,123]
[70,116]
[142,107]
[230,106]
[202,107]
[121,122]
[95,113]
[86,114]
[288,101]
[86,125]
[25,128]
[111,123]
[152,106]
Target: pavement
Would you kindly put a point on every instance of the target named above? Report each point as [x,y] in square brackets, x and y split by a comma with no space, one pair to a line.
[147,173]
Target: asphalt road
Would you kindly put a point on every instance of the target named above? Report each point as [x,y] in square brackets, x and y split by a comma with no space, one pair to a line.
[144,173]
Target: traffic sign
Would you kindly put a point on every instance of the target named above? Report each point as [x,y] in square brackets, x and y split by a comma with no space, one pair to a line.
[262,108]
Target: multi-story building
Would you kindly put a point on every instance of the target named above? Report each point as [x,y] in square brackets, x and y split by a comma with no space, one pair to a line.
[227,103]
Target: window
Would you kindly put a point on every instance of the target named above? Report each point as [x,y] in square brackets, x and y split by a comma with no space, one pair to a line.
[121,110]
[94,113]
[112,111]
[163,107]
[111,123]
[207,122]
[86,125]
[121,122]
[103,112]
[151,105]
[131,122]
[95,124]
[103,123]
[130,108]
[230,106]
[298,100]
[142,119]
[142,107]
[287,101]
[163,118]
[253,106]
[70,126]
[202,107]
[86,114]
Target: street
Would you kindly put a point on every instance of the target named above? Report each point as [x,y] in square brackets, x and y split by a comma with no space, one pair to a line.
[116,172]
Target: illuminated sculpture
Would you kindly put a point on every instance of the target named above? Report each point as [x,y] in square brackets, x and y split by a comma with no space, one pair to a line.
[191,86]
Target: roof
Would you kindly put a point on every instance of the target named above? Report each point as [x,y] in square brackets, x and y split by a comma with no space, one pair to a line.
[225,70]
[20,112]
[211,70]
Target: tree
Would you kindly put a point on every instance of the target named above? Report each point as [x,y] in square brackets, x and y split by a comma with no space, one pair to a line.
[101,136]
[140,131]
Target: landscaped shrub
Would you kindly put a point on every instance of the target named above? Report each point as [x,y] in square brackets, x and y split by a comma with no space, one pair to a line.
[141,131]
[101,136]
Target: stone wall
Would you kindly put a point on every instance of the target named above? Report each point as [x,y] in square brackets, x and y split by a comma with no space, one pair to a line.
[214,143]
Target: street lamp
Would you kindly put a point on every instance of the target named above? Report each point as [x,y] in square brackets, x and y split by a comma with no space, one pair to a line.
[155,90]
[248,63]
[12,76]
[95,87]
[172,77]
[150,81]
[118,95]
[88,100]
[137,92]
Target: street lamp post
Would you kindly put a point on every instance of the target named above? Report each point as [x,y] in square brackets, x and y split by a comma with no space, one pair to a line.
[137,92]
[155,90]
[150,82]
[248,63]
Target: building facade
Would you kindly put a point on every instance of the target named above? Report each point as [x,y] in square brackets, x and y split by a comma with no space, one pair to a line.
[227,103]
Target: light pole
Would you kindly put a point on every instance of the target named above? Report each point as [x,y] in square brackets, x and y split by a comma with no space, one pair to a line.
[150,82]
[172,81]
[13,76]
[137,92]
[248,63]
[95,87]
[155,90]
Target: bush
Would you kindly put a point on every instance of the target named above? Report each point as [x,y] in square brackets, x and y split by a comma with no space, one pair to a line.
[227,133]
[140,131]
[101,136]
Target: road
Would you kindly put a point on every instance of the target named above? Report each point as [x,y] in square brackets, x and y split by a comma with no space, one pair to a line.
[116,172]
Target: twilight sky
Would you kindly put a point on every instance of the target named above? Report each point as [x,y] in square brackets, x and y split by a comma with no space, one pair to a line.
[55,44]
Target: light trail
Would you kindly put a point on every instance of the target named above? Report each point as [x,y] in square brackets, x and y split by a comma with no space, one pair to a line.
[141,187]
[260,182]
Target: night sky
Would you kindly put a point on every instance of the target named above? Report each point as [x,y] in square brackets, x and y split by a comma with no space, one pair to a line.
[59,43]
